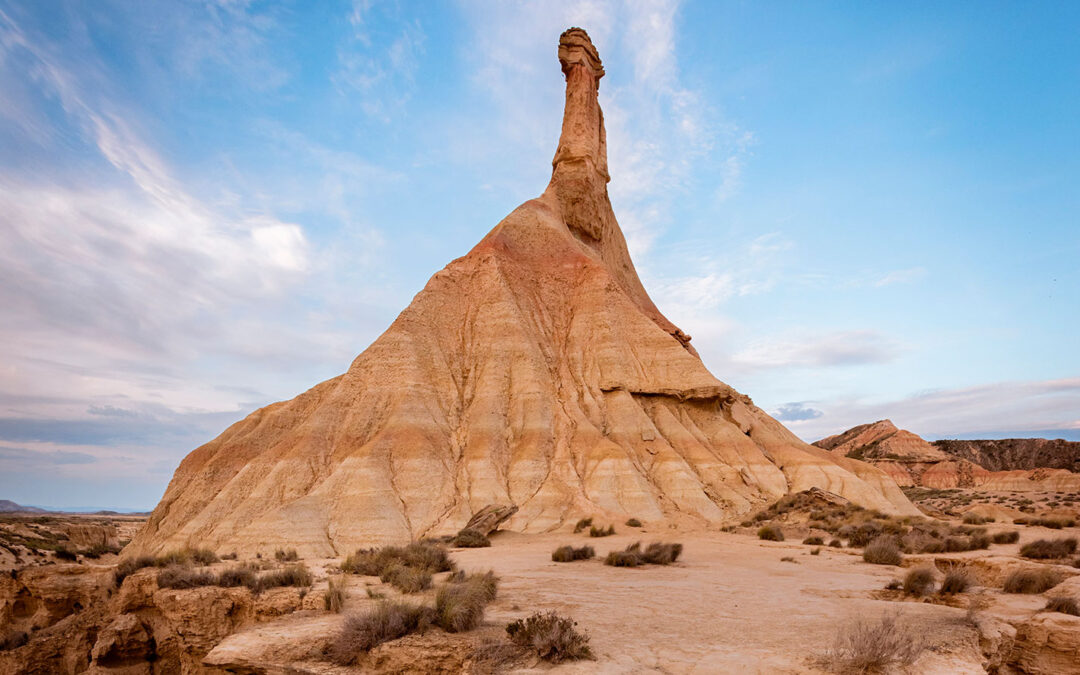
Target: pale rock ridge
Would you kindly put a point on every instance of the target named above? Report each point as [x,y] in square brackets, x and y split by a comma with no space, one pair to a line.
[534,371]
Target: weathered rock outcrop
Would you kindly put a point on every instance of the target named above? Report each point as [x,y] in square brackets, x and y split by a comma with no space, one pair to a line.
[910,460]
[1048,642]
[534,371]
[1013,454]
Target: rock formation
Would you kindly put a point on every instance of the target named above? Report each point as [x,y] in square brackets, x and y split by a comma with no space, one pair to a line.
[910,460]
[1013,454]
[534,371]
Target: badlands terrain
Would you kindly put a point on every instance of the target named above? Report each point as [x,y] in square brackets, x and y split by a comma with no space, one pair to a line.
[532,470]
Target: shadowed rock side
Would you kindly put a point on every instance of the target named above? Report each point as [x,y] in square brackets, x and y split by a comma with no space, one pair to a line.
[910,460]
[533,371]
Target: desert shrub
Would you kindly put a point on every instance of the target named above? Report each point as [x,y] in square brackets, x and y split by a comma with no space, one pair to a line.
[633,522]
[814,541]
[1064,605]
[570,554]
[815,551]
[131,565]
[1046,549]
[238,576]
[229,556]
[956,581]
[386,621]
[471,539]
[919,582]
[13,640]
[1052,522]
[867,646]
[883,551]
[979,542]
[202,556]
[957,543]
[552,637]
[974,519]
[290,555]
[290,575]
[595,531]
[582,524]
[789,559]
[334,595]
[770,533]
[1031,581]
[373,562]
[1010,537]
[661,553]
[863,534]
[623,559]
[836,543]
[459,605]
[64,553]
[186,556]
[177,576]
[98,550]
[406,579]
[894,585]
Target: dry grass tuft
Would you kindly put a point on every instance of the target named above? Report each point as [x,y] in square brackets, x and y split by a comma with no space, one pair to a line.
[290,555]
[571,554]
[334,596]
[459,605]
[420,556]
[883,551]
[178,576]
[657,553]
[552,637]
[582,524]
[290,575]
[1064,605]
[238,576]
[956,581]
[127,567]
[595,531]
[973,519]
[814,541]
[1010,537]
[1031,581]
[406,579]
[471,539]
[867,646]
[386,621]
[633,522]
[770,533]
[919,582]
[1048,549]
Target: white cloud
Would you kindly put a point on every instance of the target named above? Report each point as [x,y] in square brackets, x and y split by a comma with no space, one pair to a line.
[844,348]
[1021,408]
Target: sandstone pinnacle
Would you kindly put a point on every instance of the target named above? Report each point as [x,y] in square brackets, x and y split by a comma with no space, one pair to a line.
[534,372]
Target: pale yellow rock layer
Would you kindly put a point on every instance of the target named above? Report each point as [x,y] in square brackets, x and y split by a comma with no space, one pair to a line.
[533,371]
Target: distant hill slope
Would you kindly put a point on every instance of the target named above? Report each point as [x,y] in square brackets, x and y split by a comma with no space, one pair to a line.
[1014,465]
[1012,454]
[8,506]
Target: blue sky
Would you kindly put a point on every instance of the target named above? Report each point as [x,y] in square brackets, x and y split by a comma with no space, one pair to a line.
[858,210]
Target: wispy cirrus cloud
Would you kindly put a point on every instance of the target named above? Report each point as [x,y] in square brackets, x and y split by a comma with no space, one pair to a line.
[842,348]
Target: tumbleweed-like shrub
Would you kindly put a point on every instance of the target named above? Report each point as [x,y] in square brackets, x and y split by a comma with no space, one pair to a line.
[389,620]
[283,555]
[571,554]
[1010,537]
[1048,549]
[471,539]
[869,646]
[582,524]
[633,522]
[955,581]
[919,582]
[1031,581]
[291,575]
[460,603]
[178,576]
[406,579]
[595,531]
[883,551]
[814,541]
[552,637]
[1063,604]
[770,533]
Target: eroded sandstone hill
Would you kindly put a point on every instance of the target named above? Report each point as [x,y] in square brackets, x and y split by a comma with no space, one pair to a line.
[533,371]
[911,460]
[1010,454]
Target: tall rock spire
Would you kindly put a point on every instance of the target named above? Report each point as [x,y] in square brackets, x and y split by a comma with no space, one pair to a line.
[579,175]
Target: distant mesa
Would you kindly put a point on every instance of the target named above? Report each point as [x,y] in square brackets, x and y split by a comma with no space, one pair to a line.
[8,506]
[535,371]
[1019,465]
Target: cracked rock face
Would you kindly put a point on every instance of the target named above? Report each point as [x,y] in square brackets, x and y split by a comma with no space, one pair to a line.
[534,371]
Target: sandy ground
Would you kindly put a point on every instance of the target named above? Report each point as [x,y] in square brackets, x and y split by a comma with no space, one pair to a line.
[728,605]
